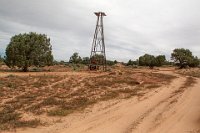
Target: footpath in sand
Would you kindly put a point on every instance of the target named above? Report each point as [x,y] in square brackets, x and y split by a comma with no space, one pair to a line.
[173,108]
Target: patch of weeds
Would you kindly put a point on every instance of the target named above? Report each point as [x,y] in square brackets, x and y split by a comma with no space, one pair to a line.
[17,105]
[11,85]
[63,85]
[36,108]
[1,84]
[11,76]
[37,69]
[2,94]
[77,93]
[103,83]
[152,86]
[77,103]
[50,101]
[59,112]
[190,72]
[13,101]
[127,80]
[26,98]
[41,82]
[132,82]
[4,127]
[21,101]
[125,90]
[80,102]
[13,82]
[88,84]
[130,92]
[61,96]
[8,118]
[164,77]
[45,80]
[110,95]
[195,74]
[8,115]
[16,123]
[29,123]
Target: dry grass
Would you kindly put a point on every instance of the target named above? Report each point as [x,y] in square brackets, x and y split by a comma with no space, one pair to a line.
[59,112]
[10,119]
[151,86]
[55,95]
[194,72]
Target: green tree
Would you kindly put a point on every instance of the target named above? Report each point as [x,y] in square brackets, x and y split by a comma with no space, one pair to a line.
[131,62]
[29,49]
[62,62]
[85,60]
[151,61]
[183,57]
[160,60]
[110,63]
[75,58]
[115,61]
[147,60]
[194,62]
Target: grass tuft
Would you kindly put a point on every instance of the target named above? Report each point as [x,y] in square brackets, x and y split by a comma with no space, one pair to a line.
[59,112]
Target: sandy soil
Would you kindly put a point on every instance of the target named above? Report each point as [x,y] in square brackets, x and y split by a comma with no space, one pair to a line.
[171,108]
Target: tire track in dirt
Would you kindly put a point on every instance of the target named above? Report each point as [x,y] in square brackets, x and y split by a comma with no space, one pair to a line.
[175,98]
[142,117]
[138,121]
[184,116]
[157,114]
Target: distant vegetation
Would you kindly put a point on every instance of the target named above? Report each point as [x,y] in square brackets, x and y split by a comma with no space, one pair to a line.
[151,61]
[76,59]
[1,60]
[183,58]
[25,50]
[32,49]
[131,63]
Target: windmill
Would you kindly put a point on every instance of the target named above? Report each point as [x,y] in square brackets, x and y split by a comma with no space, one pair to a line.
[98,55]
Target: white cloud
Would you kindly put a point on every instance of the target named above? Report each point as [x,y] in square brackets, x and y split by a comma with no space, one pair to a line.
[132,27]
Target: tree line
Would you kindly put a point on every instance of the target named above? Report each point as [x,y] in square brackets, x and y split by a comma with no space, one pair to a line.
[32,49]
[181,57]
[76,59]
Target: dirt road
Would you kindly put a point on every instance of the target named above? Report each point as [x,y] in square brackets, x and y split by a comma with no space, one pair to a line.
[172,108]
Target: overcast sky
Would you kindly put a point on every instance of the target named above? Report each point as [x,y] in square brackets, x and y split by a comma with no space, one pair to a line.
[131,27]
